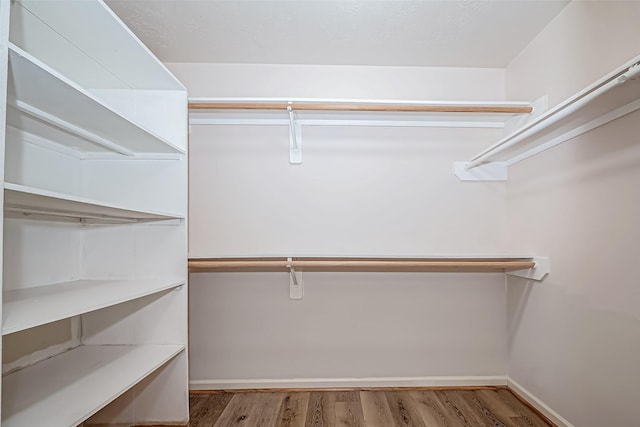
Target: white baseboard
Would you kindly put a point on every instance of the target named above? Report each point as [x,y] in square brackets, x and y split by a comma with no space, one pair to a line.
[538,404]
[232,384]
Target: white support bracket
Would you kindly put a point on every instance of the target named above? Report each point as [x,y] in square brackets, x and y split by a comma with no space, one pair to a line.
[296,288]
[295,138]
[494,171]
[538,272]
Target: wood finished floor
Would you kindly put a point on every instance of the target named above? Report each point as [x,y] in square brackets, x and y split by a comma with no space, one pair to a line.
[416,408]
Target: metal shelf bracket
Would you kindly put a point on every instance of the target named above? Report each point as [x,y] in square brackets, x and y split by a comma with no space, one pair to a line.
[296,288]
[295,137]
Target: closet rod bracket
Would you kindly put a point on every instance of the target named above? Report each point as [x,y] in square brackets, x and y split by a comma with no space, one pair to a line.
[295,137]
[296,289]
[538,272]
[493,171]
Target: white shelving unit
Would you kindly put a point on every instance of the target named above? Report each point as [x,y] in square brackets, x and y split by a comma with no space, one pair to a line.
[94,222]
[27,201]
[31,307]
[62,390]
[35,106]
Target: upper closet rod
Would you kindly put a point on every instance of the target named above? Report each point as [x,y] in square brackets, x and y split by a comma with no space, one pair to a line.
[364,106]
[558,113]
[361,264]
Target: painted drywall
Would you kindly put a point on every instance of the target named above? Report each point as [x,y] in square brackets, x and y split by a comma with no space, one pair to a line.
[584,42]
[345,82]
[574,339]
[367,192]
[43,340]
[243,326]
[359,191]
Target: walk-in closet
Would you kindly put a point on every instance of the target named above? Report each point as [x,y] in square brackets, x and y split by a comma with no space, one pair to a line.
[320,213]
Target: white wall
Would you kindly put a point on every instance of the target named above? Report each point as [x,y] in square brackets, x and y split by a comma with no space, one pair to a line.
[243,326]
[359,191]
[248,80]
[584,42]
[574,339]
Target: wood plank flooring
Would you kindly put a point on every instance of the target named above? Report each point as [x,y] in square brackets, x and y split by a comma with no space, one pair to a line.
[493,407]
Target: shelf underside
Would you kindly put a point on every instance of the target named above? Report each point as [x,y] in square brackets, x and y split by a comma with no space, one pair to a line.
[361,264]
[362,106]
[27,308]
[27,202]
[67,389]
[56,111]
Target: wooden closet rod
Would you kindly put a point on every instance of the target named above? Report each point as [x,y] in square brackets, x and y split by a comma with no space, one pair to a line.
[360,264]
[415,108]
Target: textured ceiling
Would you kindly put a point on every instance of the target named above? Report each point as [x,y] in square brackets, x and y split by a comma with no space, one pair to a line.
[465,33]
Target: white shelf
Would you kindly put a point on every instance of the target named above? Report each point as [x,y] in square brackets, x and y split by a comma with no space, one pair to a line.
[67,389]
[89,44]
[44,204]
[353,112]
[43,103]
[613,96]
[27,308]
[348,255]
